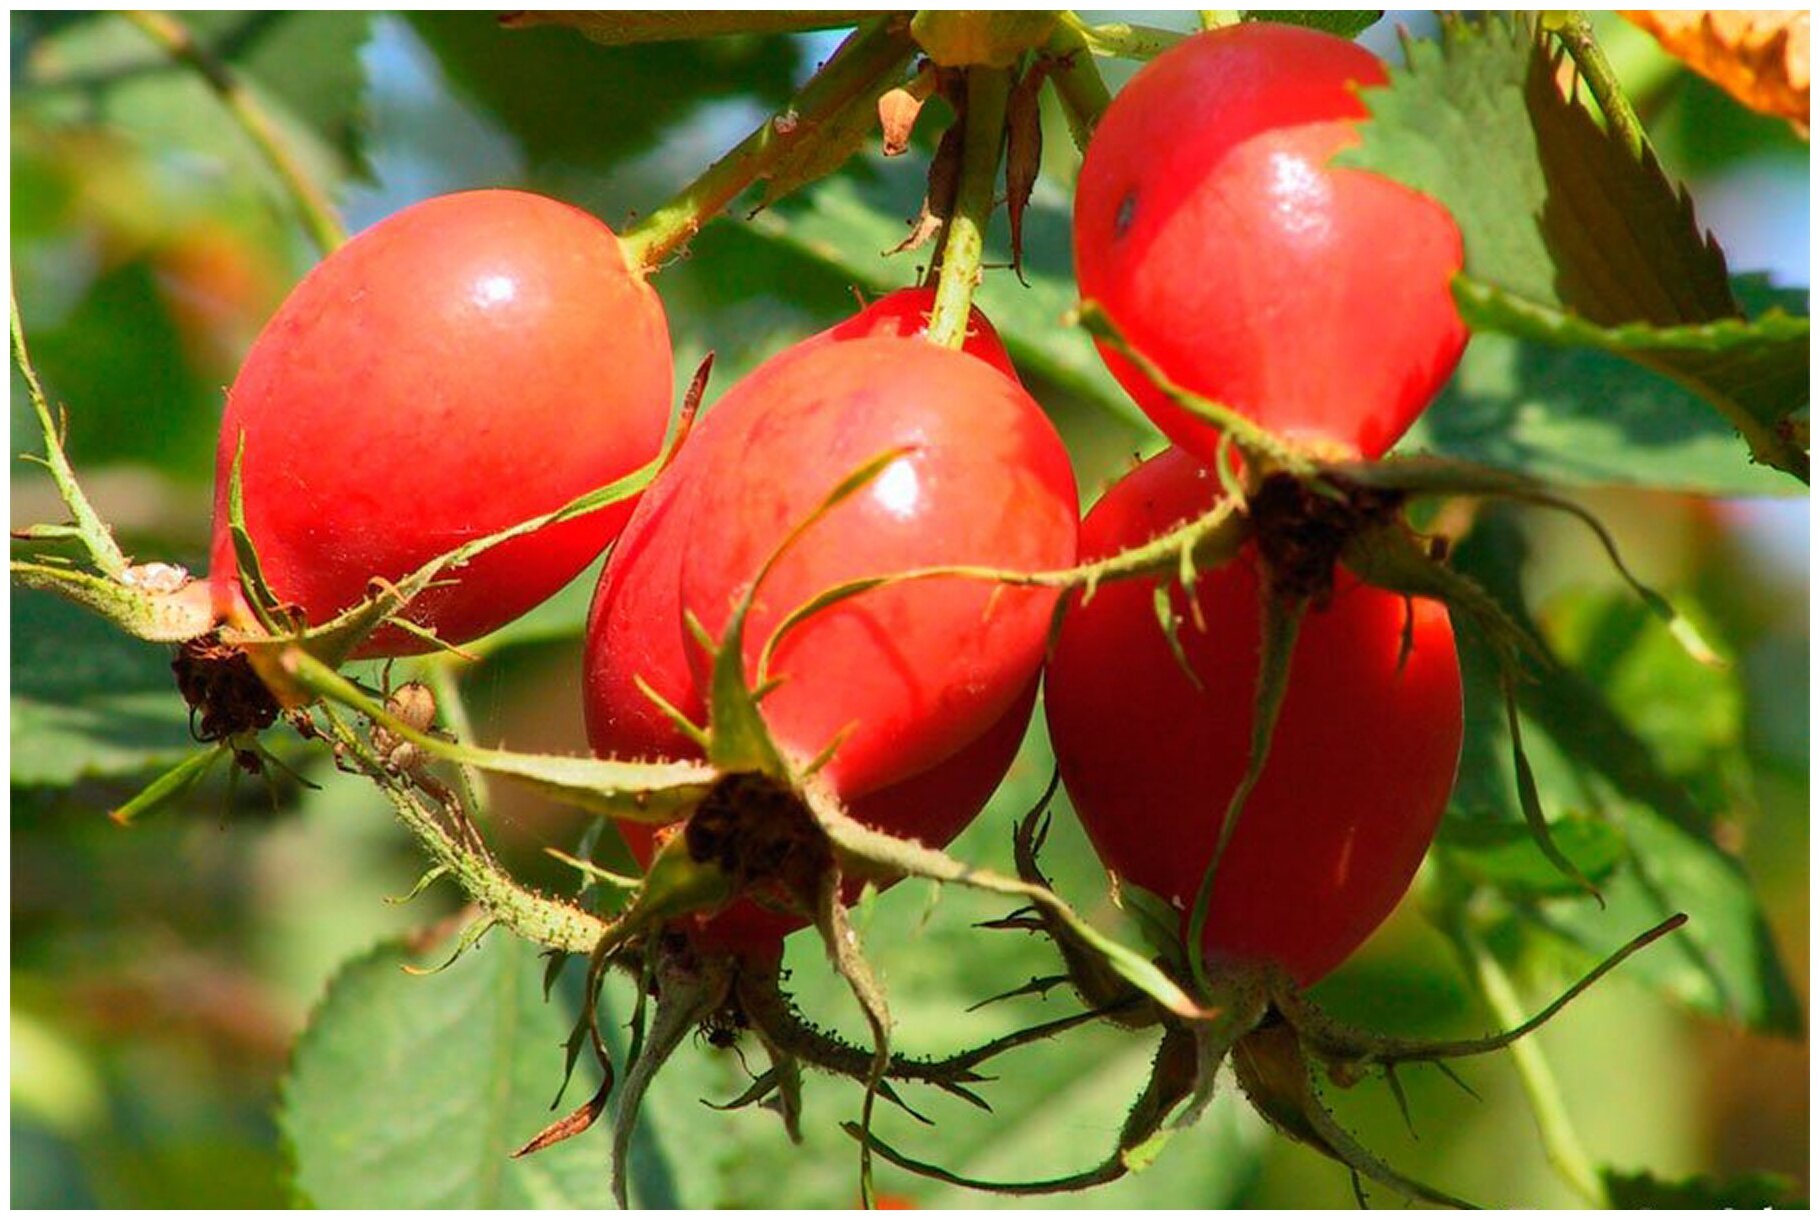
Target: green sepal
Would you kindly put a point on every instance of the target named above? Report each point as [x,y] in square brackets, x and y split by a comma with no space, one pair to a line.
[1530,801]
[655,793]
[259,595]
[1279,1079]
[738,739]
[675,884]
[170,787]
[335,641]
[866,851]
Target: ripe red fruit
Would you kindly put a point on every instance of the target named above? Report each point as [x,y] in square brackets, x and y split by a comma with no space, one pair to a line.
[1209,224]
[933,731]
[465,364]
[1359,770]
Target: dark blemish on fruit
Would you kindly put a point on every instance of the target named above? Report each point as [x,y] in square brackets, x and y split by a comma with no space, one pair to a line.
[1121,223]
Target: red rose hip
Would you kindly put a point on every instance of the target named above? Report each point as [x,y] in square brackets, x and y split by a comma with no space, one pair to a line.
[1210,226]
[930,731]
[1359,770]
[468,363]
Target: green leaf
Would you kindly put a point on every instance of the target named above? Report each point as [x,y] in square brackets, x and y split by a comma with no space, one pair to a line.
[1590,760]
[88,701]
[1751,1192]
[412,1091]
[1345,23]
[303,67]
[1557,213]
[1761,365]
[1586,417]
[571,102]
[1552,208]
[117,350]
[1505,856]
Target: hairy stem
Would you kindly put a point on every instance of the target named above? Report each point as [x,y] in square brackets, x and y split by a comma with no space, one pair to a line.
[877,49]
[93,533]
[965,240]
[313,207]
[534,917]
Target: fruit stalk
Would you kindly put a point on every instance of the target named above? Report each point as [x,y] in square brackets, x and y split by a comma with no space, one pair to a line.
[875,50]
[988,90]
[1078,84]
[313,207]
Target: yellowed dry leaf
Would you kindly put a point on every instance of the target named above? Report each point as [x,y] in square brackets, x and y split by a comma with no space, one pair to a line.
[1759,56]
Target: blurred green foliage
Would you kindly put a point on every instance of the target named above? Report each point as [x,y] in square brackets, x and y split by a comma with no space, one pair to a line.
[161,975]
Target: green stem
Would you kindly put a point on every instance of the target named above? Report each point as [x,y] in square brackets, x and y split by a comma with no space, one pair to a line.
[1122,40]
[440,677]
[532,916]
[1078,84]
[1559,1139]
[1576,34]
[312,205]
[965,241]
[90,529]
[874,51]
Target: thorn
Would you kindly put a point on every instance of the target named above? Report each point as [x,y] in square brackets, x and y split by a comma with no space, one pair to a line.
[1455,1077]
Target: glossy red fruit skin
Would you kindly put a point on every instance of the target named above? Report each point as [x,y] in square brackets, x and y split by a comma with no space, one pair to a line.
[908,673]
[461,366]
[1359,771]
[1208,223]
[634,634]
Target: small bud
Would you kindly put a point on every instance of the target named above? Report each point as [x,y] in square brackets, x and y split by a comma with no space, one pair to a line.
[897,111]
